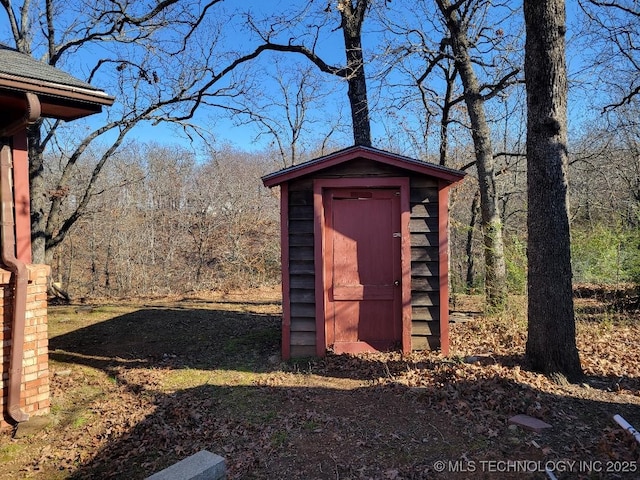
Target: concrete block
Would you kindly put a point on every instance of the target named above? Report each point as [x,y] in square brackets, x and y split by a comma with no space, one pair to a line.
[203,465]
[31,426]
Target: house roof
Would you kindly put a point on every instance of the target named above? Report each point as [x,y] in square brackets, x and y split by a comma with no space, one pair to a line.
[61,95]
[449,175]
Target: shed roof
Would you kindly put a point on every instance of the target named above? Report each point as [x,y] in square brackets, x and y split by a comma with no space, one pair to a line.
[61,95]
[351,153]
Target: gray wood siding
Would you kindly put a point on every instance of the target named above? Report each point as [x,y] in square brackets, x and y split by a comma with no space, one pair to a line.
[302,270]
[361,168]
[425,282]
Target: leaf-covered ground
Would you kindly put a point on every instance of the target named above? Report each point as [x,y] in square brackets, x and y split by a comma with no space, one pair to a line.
[137,387]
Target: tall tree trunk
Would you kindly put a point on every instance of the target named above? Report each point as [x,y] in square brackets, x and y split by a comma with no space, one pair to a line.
[39,199]
[469,246]
[352,19]
[447,104]
[495,267]
[551,344]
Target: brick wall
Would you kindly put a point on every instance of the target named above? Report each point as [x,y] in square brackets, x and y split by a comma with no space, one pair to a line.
[34,390]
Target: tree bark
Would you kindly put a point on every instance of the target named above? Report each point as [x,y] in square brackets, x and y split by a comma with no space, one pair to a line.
[551,344]
[352,19]
[469,246]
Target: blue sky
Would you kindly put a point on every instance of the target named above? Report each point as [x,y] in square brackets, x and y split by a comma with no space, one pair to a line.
[331,49]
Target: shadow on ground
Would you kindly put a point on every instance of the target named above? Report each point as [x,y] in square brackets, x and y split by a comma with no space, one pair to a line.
[178,337]
[379,417]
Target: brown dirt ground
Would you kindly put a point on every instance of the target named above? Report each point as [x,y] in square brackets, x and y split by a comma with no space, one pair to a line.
[137,386]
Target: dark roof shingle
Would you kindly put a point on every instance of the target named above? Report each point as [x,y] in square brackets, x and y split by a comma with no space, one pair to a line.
[18,64]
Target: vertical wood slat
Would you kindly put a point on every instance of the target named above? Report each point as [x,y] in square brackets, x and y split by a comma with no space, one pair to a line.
[443,215]
[284,259]
[21,197]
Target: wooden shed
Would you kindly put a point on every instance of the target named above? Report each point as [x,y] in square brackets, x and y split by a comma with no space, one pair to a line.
[364,253]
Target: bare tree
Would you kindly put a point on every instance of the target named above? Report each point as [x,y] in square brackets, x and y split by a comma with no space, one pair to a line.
[159,60]
[551,344]
[613,35]
[352,15]
[460,51]
[457,24]
[292,114]
[408,52]
[162,211]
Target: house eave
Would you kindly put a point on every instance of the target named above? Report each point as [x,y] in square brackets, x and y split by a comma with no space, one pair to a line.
[81,101]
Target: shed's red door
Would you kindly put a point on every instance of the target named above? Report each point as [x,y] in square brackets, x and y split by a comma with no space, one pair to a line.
[363,270]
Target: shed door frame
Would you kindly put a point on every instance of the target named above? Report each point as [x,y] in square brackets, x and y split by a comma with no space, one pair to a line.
[322,287]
